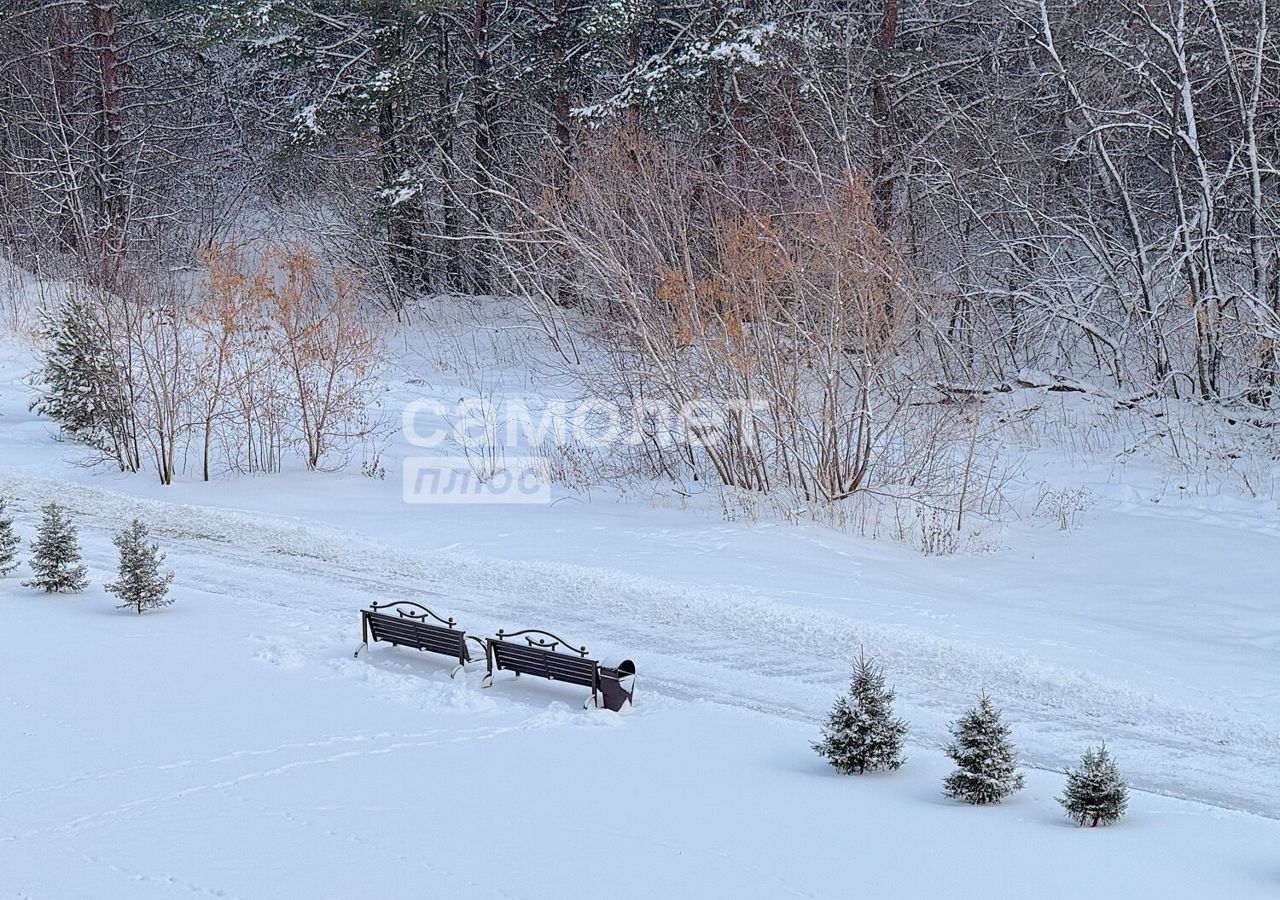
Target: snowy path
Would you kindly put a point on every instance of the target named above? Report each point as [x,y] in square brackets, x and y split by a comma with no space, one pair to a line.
[691,641]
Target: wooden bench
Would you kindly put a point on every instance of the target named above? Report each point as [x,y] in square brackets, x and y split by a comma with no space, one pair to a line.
[538,655]
[410,628]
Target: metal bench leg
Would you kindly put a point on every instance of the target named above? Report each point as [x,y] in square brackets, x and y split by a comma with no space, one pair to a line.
[487,680]
[457,668]
[364,632]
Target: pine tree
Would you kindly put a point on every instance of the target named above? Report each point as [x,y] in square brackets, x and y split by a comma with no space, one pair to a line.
[56,554]
[986,771]
[1096,794]
[8,542]
[862,734]
[141,584]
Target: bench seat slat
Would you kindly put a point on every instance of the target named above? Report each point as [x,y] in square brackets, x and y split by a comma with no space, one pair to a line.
[435,637]
[519,654]
[397,636]
[449,648]
[545,664]
[392,626]
[586,679]
[405,626]
[560,662]
[515,650]
[418,637]
[534,655]
[405,632]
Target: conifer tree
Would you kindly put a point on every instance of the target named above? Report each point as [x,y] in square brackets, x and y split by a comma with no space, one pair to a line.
[72,377]
[986,771]
[80,387]
[141,584]
[1096,794]
[56,554]
[8,542]
[862,734]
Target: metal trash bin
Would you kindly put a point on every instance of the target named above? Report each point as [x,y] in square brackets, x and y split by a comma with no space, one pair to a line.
[617,683]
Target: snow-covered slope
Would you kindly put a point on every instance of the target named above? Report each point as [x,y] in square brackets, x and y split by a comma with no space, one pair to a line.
[232,746]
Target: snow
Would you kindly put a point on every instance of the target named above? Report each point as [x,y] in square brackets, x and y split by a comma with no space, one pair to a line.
[231,746]
[234,748]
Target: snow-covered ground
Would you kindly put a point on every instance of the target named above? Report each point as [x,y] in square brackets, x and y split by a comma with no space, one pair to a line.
[231,745]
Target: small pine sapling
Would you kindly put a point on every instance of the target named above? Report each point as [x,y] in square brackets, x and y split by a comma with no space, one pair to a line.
[862,735]
[141,584]
[1096,794]
[8,542]
[55,556]
[986,769]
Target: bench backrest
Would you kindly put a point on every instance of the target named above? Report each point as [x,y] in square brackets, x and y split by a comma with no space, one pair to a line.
[543,663]
[417,634]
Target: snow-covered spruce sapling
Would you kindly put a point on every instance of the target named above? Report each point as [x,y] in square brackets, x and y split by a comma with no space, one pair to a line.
[862,734]
[8,541]
[141,584]
[78,385]
[1095,793]
[986,770]
[55,556]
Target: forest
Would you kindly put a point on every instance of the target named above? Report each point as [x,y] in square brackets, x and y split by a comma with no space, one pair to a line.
[866,217]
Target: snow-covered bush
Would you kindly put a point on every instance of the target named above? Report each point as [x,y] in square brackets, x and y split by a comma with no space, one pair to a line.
[1065,506]
[986,770]
[1095,794]
[775,340]
[937,533]
[56,555]
[862,734]
[288,358]
[325,347]
[141,584]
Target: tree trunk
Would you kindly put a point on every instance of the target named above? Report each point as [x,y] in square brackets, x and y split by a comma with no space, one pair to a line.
[483,161]
[107,146]
[449,213]
[882,161]
[403,218]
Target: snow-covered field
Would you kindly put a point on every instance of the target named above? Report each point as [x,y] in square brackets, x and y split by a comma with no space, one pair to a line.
[231,746]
